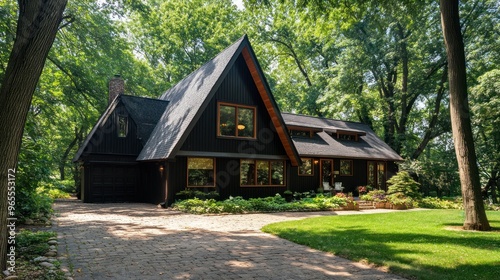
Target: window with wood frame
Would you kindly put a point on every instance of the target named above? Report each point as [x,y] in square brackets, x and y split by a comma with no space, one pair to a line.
[262,172]
[348,137]
[200,172]
[122,126]
[376,176]
[345,135]
[300,133]
[307,168]
[236,121]
[346,167]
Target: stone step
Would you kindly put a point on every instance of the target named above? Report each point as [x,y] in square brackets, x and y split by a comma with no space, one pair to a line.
[365,204]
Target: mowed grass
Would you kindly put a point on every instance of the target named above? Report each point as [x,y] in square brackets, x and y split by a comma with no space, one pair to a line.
[413,244]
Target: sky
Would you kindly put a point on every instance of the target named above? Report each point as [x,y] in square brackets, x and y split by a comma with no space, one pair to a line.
[238,3]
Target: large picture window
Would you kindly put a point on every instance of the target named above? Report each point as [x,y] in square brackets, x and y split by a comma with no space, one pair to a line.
[306,169]
[262,173]
[236,121]
[201,172]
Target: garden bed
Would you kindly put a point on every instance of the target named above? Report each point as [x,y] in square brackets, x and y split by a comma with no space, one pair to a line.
[238,205]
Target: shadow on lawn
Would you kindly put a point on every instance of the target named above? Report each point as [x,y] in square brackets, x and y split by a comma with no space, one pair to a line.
[362,245]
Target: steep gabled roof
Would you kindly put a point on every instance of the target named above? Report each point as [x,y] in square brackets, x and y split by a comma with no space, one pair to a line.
[323,144]
[145,112]
[189,98]
[100,123]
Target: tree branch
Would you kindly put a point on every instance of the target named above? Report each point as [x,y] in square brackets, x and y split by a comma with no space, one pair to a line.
[296,59]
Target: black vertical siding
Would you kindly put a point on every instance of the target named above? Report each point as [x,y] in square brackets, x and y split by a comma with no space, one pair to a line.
[305,183]
[359,177]
[106,141]
[238,87]
[227,180]
[152,183]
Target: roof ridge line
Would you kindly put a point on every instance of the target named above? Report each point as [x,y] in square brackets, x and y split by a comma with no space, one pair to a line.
[198,68]
[322,118]
[144,97]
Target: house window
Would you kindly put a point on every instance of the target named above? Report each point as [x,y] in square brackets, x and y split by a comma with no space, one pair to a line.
[200,172]
[236,121]
[345,167]
[300,133]
[122,126]
[376,174]
[348,137]
[262,173]
[306,169]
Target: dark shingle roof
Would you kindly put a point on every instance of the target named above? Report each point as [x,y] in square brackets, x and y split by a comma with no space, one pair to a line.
[145,112]
[187,102]
[322,144]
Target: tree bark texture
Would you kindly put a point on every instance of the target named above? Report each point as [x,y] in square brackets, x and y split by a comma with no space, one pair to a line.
[475,215]
[37,26]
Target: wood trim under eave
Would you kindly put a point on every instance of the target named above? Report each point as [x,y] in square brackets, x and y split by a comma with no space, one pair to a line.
[269,106]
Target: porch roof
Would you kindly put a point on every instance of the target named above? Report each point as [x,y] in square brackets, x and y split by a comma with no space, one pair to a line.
[322,144]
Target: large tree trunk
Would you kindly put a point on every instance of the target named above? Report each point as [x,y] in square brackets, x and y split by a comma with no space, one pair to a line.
[475,215]
[37,26]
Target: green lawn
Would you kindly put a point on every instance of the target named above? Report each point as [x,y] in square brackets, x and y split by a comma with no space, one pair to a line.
[412,244]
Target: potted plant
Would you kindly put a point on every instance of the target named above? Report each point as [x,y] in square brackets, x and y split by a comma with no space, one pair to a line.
[288,194]
[362,190]
[379,198]
[400,201]
[350,203]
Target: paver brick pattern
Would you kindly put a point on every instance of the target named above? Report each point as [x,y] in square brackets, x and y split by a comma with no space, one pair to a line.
[140,241]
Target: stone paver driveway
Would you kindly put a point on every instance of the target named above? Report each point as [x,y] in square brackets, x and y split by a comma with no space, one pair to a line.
[140,241]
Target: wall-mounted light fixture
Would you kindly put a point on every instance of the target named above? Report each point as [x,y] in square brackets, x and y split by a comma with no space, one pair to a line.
[161,168]
[316,161]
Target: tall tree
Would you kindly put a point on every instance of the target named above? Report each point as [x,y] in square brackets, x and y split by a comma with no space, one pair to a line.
[485,99]
[37,25]
[185,34]
[475,215]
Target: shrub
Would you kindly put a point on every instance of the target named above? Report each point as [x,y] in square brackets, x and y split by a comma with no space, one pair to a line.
[57,193]
[191,193]
[437,203]
[378,195]
[366,197]
[275,203]
[31,244]
[399,198]
[65,185]
[33,205]
[403,183]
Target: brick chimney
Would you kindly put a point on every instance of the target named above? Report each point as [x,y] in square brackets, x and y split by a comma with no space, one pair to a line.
[116,87]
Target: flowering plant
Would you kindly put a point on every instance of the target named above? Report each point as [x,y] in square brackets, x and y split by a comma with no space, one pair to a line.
[341,195]
[362,190]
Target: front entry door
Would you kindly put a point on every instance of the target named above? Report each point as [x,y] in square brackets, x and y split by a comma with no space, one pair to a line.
[326,174]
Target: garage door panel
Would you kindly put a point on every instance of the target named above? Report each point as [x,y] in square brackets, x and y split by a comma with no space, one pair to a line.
[113,183]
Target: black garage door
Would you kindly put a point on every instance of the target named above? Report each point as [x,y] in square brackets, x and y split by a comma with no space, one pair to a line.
[112,183]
